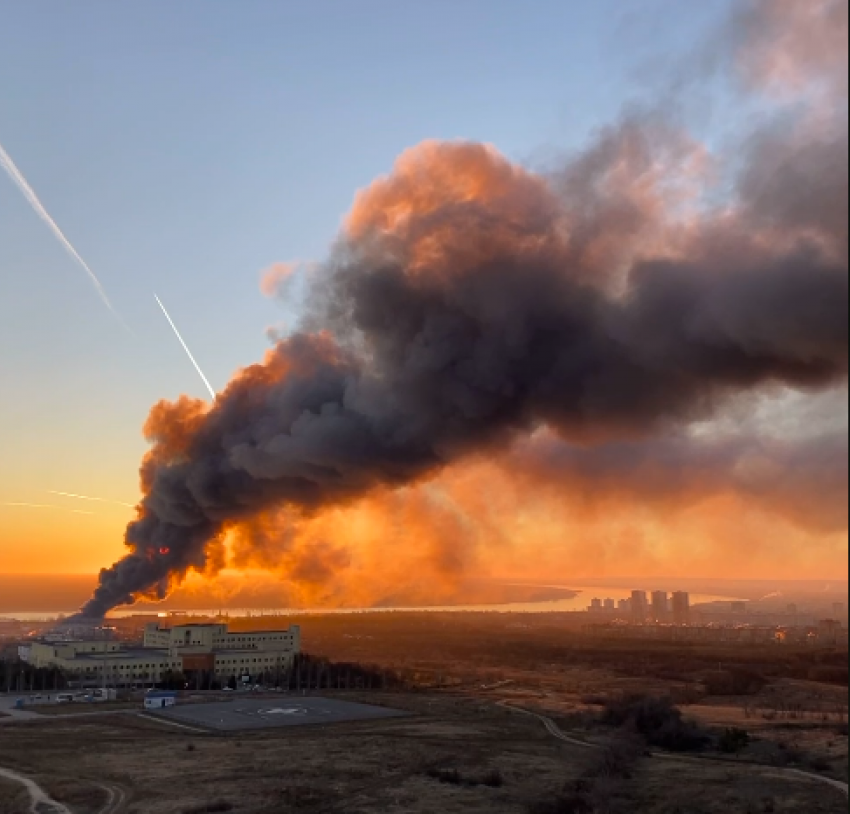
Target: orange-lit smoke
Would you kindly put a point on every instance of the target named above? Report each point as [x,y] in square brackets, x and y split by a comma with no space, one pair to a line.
[512,372]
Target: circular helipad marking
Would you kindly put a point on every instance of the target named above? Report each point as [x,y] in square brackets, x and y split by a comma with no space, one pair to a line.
[284,711]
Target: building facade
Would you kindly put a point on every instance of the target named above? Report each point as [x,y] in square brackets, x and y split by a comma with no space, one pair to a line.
[681,608]
[211,650]
[659,606]
[639,606]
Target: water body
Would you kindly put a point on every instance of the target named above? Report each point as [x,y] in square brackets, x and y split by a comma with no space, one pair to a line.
[577,600]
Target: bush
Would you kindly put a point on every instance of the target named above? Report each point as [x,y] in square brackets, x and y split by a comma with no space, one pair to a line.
[493,779]
[657,720]
[617,760]
[217,807]
[819,764]
[565,804]
[190,747]
[734,740]
[737,681]
[450,776]
[830,675]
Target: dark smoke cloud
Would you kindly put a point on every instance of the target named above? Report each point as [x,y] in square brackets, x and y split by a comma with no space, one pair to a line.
[803,480]
[470,303]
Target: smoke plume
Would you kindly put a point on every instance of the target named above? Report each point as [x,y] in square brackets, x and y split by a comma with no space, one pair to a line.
[577,321]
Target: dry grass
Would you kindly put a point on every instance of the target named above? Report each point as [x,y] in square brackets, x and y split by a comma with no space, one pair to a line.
[667,788]
[369,767]
[363,767]
[13,798]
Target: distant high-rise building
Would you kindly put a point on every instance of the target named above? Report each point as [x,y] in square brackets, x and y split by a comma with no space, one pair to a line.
[624,606]
[681,608]
[595,605]
[659,605]
[739,607]
[791,609]
[640,606]
[610,605]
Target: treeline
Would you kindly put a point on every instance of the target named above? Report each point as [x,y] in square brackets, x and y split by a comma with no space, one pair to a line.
[18,676]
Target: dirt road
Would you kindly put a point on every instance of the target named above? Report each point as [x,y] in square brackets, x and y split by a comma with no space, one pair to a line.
[40,801]
[767,771]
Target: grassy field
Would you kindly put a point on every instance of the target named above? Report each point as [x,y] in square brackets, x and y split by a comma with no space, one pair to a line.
[13,798]
[455,755]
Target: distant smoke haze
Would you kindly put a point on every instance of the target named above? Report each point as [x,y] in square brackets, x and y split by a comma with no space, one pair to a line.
[481,332]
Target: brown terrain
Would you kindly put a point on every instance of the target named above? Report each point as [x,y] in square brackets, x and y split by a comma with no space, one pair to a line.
[453,755]
[761,730]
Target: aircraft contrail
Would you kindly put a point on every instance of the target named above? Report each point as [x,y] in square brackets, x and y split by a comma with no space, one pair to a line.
[186,348]
[93,499]
[43,506]
[17,177]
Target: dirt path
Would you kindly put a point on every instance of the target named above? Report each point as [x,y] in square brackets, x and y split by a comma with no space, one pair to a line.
[767,771]
[116,798]
[40,802]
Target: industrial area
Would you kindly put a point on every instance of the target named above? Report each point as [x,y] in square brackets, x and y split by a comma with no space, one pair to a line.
[201,654]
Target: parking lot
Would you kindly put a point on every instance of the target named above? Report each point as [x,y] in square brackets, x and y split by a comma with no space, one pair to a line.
[271,713]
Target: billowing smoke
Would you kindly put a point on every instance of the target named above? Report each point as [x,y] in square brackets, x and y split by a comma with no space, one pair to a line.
[471,306]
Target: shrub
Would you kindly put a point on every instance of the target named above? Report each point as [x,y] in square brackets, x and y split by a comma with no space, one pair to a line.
[734,740]
[453,777]
[657,720]
[564,804]
[493,779]
[830,675]
[190,747]
[617,760]
[217,807]
[737,681]
[819,764]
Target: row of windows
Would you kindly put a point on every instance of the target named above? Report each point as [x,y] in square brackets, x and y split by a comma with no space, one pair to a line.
[177,665]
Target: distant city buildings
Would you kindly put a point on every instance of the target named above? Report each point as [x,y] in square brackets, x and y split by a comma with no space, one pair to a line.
[640,606]
[662,615]
[660,607]
[681,608]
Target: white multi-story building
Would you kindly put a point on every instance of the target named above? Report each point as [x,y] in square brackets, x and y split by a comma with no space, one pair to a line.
[211,650]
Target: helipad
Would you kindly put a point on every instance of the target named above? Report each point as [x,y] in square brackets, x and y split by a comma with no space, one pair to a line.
[268,713]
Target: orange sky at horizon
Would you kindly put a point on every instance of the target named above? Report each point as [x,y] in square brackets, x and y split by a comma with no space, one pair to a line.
[523,532]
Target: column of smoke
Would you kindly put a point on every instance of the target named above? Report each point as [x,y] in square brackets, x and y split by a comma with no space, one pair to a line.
[470,305]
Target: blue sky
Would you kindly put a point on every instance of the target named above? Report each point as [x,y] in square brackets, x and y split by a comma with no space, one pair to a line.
[183,147]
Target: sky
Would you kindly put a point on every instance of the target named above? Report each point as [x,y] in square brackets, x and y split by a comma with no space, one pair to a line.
[183,148]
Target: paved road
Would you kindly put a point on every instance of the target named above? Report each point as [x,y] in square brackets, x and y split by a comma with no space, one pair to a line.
[7,707]
[767,771]
[40,801]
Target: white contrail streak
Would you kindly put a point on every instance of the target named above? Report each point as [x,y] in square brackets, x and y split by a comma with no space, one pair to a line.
[186,348]
[93,499]
[17,177]
[43,506]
